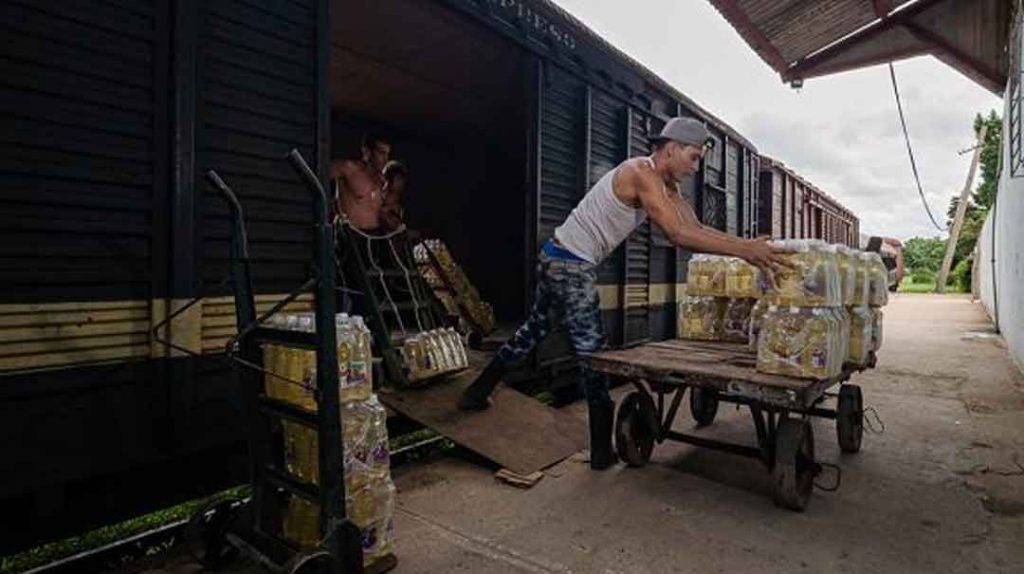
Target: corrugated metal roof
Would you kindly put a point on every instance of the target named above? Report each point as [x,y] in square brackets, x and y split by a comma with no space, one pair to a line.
[807,38]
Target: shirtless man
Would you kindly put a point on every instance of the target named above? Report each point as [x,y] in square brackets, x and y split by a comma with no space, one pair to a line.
[567,270]
[359,190]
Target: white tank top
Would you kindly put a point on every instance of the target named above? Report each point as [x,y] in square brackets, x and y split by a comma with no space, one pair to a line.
[600,222]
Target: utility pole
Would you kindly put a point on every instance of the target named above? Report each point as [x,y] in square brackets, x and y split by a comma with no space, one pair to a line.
[961,209]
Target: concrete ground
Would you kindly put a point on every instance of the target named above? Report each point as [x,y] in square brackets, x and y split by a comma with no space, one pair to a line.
[941,490]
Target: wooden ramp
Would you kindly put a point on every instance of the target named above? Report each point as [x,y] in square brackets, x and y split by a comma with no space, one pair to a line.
[517,432]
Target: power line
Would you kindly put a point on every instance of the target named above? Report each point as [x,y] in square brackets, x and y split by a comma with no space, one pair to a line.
[910,151]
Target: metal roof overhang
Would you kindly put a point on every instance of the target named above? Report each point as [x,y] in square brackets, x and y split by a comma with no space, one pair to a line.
[803,39]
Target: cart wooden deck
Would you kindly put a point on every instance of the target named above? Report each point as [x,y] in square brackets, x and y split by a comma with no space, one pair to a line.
[730,369]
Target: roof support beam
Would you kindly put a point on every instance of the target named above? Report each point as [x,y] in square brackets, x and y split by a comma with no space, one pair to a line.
[752,34]
[985,75]
[810,65]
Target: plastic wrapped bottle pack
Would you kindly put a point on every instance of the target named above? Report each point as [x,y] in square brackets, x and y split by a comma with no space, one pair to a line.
[861,335]
[878,275]
[802,342]
[701,318]
[435,352]
[355,377]
[847,274]
[814,279]
[736,320]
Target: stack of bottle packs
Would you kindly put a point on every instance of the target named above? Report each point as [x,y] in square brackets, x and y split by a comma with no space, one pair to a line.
[369,491]
[806,321]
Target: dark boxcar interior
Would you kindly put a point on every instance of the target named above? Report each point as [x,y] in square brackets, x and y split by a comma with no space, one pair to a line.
[451,96]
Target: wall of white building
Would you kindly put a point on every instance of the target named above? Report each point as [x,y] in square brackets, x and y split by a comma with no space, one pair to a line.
[1000,264]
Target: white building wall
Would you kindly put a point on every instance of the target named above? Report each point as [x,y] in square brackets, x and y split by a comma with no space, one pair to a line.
[1002,292]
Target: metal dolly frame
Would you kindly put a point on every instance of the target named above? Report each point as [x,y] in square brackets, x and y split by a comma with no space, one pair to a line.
[223,528]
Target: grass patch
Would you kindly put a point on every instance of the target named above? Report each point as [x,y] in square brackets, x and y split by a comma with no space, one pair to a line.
[909,286]
[103,536]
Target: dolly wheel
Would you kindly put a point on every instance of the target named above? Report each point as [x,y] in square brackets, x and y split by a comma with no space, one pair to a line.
[634,440]
[850,418]
[703,405]
[310,562]
[206,533]
[794,468]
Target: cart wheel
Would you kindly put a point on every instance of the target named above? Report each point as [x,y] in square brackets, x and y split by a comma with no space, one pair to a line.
[634,440]
[703,405]
[794,467]
[206,533]
[310,562]
[850,418]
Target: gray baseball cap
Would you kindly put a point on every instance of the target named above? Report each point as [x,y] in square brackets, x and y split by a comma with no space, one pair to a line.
[686,131]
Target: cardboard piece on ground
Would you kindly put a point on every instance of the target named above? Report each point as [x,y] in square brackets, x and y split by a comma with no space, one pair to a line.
[517,432]
[528,481]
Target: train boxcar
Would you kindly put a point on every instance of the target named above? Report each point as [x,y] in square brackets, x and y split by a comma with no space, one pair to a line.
[504,112]
[790,207]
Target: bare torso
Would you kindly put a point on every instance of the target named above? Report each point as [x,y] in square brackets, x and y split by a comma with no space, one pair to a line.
[359,193]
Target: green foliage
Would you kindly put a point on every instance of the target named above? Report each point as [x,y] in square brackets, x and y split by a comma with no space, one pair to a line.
[924,253]
[922,276]
[961,276]
[105,535]
[985,194]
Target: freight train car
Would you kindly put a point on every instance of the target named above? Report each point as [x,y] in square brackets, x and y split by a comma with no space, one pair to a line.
[791,207]
[504,112]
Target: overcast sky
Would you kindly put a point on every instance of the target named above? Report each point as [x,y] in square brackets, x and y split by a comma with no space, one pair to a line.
[840,132]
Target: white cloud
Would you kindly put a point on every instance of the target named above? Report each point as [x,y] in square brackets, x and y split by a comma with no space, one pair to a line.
[841,132]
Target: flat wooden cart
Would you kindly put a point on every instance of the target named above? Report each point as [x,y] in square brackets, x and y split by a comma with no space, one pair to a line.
[715,372]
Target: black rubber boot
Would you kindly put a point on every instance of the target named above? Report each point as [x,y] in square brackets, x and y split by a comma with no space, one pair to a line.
[602,418]
[476,397]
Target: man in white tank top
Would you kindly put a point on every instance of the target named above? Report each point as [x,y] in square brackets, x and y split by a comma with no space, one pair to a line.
[567,270]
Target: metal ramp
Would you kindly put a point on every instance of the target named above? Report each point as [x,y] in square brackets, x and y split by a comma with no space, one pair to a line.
[518,432]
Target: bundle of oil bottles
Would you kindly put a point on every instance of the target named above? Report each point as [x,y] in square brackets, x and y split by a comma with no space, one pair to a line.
[369,491]
[433,353]
[452,286]
[822,313]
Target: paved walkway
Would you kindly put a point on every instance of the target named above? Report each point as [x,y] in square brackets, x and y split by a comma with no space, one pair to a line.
[942,490]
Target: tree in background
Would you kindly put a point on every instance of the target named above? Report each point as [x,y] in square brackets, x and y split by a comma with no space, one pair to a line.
[983,197]
[922,257]
[985,194]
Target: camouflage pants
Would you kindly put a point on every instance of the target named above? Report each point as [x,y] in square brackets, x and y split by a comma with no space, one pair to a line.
[566,294]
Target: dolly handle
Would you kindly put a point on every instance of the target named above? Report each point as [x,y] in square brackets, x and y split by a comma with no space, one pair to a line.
[313,183]
[236,210]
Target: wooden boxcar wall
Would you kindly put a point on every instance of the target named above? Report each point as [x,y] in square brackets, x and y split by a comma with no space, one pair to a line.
[113,111]
[791,208]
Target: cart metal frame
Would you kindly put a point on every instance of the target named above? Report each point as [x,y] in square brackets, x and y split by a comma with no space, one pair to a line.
[780,408]
[223,528]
